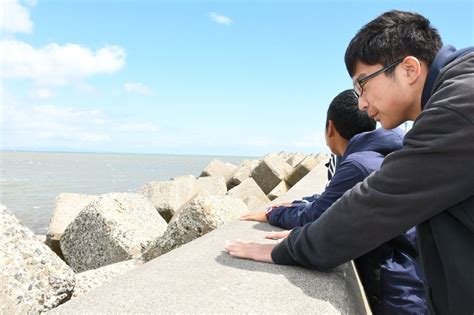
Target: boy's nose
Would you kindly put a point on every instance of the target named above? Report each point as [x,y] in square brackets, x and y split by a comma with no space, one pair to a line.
[363,104]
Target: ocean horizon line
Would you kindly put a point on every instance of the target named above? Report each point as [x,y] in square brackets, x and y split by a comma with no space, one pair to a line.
[127,153]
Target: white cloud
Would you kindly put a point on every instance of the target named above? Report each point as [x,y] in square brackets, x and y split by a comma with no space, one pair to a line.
[137,87]
[43,93]
[52,126]
[57,65]
[220,19]
[15,17]
[87,89]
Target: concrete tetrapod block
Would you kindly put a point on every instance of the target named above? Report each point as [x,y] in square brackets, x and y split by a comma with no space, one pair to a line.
[270,172]
[113,228]
[321,157]
[242,173]
[303,168]
[279,190]
[214,185]
[33,279]
[169,196]
[250,193]
[296,158]
[67,207]
[283,154]
[88,280]
[218,168]
[202,215]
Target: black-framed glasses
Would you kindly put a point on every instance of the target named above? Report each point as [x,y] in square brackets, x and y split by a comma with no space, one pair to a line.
[359,84]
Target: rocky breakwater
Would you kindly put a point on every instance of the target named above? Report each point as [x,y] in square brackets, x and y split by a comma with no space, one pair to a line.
[103,237]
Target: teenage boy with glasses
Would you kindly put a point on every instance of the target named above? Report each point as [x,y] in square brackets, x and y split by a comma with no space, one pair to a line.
[428,183]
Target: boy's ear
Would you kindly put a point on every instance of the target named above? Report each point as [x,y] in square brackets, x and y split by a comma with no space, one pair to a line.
[411,68]
[330,129]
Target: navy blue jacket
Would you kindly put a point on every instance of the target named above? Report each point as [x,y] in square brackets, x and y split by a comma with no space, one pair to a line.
[390,274]
[364,154]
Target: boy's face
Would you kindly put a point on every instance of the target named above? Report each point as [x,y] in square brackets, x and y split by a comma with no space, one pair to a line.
[387,99]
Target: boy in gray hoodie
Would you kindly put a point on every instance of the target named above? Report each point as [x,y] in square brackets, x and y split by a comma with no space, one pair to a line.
[401,72]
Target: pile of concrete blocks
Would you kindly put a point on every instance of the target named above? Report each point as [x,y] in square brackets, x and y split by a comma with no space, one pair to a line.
[103,237]
[33,278]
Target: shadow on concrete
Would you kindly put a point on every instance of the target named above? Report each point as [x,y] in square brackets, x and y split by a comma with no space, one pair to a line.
[314,284]
[265,227]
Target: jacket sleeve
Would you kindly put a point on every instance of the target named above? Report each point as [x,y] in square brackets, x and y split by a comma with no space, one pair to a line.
[347,176]
[433,172]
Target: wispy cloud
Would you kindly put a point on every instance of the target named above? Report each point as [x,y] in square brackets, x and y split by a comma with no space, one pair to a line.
[55,64]
[55,126]
[15,17]
[137,87]
[42,93]
[220,19]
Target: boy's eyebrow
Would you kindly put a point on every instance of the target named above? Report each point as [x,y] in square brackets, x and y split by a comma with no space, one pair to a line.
[360,76]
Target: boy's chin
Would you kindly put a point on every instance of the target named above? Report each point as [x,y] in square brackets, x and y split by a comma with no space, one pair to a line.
[389,124]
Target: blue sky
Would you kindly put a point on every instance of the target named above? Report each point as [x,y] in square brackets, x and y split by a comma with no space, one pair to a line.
[184,77]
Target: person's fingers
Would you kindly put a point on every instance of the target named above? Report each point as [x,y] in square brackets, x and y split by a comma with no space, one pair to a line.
[237,248]
[247,216]
[277,235]
[270,235]
[234,245]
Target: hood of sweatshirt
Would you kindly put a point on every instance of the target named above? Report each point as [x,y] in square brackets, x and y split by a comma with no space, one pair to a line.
[379,140]
[444,56]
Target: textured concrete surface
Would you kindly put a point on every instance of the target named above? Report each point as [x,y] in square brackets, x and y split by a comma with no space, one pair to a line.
[302,169]
[113,228]
[32,278]
[67,207]
[242,173]
[200,216]
[279,190]
[270,172]
[168,196]
[200,277]
[214,185]
[250,193]
[295,158]
[88,280]
[219,168]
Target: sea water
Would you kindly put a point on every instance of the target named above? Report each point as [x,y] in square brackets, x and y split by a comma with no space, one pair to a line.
[30,181]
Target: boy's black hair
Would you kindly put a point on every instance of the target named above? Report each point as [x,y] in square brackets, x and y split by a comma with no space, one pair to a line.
[391,36]
[346,116]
